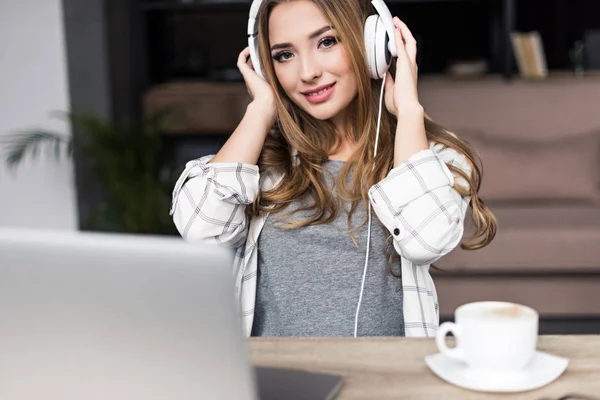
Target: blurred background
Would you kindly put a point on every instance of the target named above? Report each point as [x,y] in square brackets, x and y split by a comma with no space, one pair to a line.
[103,101]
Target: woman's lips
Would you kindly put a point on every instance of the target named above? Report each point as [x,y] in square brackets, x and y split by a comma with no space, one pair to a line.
[320,95]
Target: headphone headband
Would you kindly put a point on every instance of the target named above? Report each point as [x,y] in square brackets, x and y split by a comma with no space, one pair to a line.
[252,27]
[379,5]
[384,16]
[388,24]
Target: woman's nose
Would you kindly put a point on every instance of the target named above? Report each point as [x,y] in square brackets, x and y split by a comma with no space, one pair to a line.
[310,69]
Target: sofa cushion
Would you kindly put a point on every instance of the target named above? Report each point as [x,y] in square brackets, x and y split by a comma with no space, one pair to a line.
[557,169]
[535,239]
[554,107]
[561,295]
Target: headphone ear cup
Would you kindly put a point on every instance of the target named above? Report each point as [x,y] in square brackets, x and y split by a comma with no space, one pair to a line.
[379,58]
[370,26]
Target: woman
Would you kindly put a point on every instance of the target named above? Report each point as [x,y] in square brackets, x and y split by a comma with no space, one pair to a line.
[292,188]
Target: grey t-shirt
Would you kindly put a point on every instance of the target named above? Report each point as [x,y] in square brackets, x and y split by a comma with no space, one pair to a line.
[309,278]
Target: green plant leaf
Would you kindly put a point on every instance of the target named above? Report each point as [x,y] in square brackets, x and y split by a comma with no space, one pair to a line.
[128,163]
[17,146]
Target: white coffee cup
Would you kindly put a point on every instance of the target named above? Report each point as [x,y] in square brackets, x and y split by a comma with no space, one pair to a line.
[491,336]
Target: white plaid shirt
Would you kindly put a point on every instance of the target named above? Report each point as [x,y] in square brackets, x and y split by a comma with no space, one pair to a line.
[416,202]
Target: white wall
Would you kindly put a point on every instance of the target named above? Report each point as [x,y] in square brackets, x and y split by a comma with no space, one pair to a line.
[33,83]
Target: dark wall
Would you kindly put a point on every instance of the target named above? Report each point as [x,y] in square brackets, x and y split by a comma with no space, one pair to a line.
[560,23]
[89,84]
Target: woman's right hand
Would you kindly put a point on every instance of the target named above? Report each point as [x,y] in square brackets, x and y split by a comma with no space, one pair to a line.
[260,90]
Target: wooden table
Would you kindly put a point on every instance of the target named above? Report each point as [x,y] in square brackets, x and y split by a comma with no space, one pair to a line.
[393,368]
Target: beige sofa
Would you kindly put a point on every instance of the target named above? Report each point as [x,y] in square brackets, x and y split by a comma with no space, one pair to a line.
[540,146]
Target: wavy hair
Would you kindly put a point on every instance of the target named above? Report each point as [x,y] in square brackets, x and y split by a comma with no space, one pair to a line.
[299,144]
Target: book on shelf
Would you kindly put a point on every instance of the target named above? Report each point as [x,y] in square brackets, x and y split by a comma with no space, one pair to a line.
[529,53]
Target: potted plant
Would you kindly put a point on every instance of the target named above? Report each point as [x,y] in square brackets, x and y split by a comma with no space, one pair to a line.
[128,164]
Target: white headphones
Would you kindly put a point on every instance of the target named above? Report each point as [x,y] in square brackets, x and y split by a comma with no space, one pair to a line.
[379,39]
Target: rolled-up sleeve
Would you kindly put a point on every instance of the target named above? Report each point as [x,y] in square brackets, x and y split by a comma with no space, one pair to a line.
[418,204]
[209,201]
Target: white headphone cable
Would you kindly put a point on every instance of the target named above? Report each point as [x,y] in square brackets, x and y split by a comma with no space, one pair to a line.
[362,285]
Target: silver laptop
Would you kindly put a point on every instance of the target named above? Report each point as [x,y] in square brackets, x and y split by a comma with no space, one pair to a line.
[98,316]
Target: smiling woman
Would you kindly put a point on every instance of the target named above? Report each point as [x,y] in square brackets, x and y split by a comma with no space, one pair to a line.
[292,189]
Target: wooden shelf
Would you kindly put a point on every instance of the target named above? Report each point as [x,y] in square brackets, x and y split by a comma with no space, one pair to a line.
[553,75]
[200,106]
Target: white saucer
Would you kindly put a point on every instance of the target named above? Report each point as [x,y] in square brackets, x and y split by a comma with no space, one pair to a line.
[543,369]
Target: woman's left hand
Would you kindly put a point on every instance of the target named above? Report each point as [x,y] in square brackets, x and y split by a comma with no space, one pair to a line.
[401,92]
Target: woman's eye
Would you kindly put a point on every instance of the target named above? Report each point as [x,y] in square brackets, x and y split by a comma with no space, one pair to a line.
[283,56]
[327,42]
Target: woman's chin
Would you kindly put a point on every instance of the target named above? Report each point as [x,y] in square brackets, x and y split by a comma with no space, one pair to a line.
[321,113]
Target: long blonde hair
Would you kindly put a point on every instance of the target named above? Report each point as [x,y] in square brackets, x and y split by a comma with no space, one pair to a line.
[314,139]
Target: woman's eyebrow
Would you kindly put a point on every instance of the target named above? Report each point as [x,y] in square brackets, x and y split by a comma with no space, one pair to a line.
[311,36]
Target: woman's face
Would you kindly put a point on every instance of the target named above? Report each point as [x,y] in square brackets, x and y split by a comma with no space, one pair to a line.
[310,64]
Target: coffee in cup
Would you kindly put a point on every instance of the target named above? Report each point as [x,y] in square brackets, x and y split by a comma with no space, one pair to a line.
[491,336]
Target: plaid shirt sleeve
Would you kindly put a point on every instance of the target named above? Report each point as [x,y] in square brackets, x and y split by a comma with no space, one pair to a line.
[418,204]
[209,201]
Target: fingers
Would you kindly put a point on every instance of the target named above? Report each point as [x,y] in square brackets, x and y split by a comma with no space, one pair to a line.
[410,44]
[400,47]
[243,63]
[389,82]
